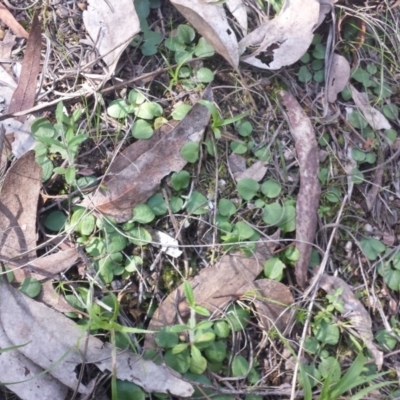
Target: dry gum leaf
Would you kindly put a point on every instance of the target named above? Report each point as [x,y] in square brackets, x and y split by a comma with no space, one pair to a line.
[309,193]
[355,312]
[55,343]
[286,37]
[215,287]
[111,25]
[338,78]
[12,23]
[140,169]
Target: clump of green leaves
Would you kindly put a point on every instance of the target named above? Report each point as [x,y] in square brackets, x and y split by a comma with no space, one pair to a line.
[60,139]
[313,60]
[184,46]
[144,111]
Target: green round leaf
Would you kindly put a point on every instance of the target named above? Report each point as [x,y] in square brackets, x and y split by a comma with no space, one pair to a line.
[273,214]
[190,152]
[247,188]
[166,339]
[115,243]
[240,366]
[216,351]
[326,333]
[186,34]
[141,129]
[271,188]
[386,339]
[391,111]
[118,109]
[157,204]
[273,269]
[244,128]
[304,74]
[148,110]
[139,236]
[237,316]
[205,75]
[357,120]
[357,155]
[143,214]
[180,180]
[180,111]
[135,97]
[197,204]
[238,147]
[179,362]
[222,329]
[55,221]
[129,391]
[316,65]
[244,230]
[30,287]
[176,204]
[226,207]
[203,49]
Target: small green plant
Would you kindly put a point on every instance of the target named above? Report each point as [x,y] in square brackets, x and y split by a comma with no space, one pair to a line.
[314,60]
[182,44]
[144,111]
[62,138]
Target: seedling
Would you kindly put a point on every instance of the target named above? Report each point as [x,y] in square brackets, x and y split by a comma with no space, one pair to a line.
[62,138]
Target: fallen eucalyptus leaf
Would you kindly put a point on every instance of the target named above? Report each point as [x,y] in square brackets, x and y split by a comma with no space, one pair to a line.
[338,78]
[374,117]
[309,193]
[355,312]
[138,171]
[286,37]
[216,286]
[55,343]
[111,24]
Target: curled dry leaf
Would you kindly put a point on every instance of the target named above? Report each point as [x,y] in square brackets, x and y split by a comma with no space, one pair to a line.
[56,344]
[216,286]
[355,312]
[326,6]
[25,94]
[309,193]
[256,171]
[211,22]
[374,117]
[18,211]
[238,10]
[338,78]
[12,23]
[15,367]
[286,37]
[111,24]
[138,171]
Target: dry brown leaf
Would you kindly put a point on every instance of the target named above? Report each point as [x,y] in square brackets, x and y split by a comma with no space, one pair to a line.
[139,170]
[271,299]
[111,24]
[374,117]
[286,37]
[49,296]
[18,211]
[55,343]
[15,367]
[354,311]
[238,10]
[338,78]
[255,171]
[309,193]
[12,23]
[326,6]
[211,22]
[25,94]
[6,45]
[215,287]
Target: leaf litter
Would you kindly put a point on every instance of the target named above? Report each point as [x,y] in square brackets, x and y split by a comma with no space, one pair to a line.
[137,172]
[309,192]
[231,277]
[56,344]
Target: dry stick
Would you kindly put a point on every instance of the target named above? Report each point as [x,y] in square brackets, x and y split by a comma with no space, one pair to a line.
[314,287]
